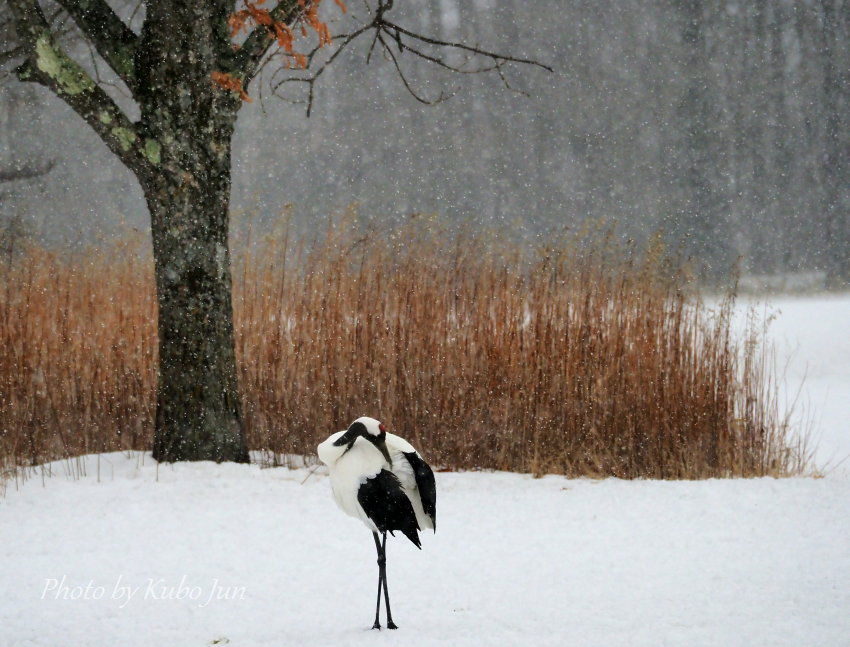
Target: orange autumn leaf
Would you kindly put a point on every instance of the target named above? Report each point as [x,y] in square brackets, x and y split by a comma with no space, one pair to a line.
[237,21]
[284,34]
[261,16]
[229,82]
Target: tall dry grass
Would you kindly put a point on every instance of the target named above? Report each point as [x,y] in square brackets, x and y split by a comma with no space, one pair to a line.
[78,358]
[580,356]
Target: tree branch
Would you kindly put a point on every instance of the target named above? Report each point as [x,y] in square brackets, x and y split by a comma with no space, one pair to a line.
[247,60]
[310,81]
[11,48]
[47,64]
[10,54]
[113,40]
[385,34]
[401,31]
[421,99]
[25,171]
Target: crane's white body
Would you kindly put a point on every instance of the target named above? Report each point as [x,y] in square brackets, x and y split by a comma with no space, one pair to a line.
[382,480]
[350,469]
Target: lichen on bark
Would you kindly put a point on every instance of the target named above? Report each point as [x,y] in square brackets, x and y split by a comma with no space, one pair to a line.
[153,151]
[125,137]
[72,79]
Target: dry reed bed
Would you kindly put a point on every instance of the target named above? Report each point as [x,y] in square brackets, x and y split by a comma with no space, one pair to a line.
[578,358]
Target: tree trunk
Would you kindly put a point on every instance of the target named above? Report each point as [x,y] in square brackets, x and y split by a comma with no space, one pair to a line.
[198,412]
[188,78]
[702,225]
[836,145]
[188,193]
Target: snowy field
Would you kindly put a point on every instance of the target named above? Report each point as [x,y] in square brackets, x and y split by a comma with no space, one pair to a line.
[812,342]
[200,554]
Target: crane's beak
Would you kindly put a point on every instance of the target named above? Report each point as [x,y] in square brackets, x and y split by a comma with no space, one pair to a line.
[350,436]
[347,438]
[382,446]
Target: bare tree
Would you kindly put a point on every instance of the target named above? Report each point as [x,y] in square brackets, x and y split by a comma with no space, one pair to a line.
[836,145]
[26,171]
[188,78]
[700,224]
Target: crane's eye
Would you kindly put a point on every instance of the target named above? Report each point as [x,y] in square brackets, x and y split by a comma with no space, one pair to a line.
[381,427]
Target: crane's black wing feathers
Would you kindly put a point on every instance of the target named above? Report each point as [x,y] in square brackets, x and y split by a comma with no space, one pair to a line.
[385,503]
[426,484]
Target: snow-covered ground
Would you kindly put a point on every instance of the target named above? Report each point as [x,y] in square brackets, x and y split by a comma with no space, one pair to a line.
[135,554]
[812,342]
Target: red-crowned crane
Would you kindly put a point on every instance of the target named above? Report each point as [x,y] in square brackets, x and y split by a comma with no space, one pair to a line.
[382,480]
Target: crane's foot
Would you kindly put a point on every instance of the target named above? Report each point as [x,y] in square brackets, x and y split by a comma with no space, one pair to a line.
[377,625]
[391,625]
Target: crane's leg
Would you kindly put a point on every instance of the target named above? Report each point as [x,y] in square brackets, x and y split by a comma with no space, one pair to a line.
[382,560]
[390,623]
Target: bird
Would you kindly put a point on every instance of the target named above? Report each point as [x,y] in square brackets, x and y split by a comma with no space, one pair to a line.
[382,480]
